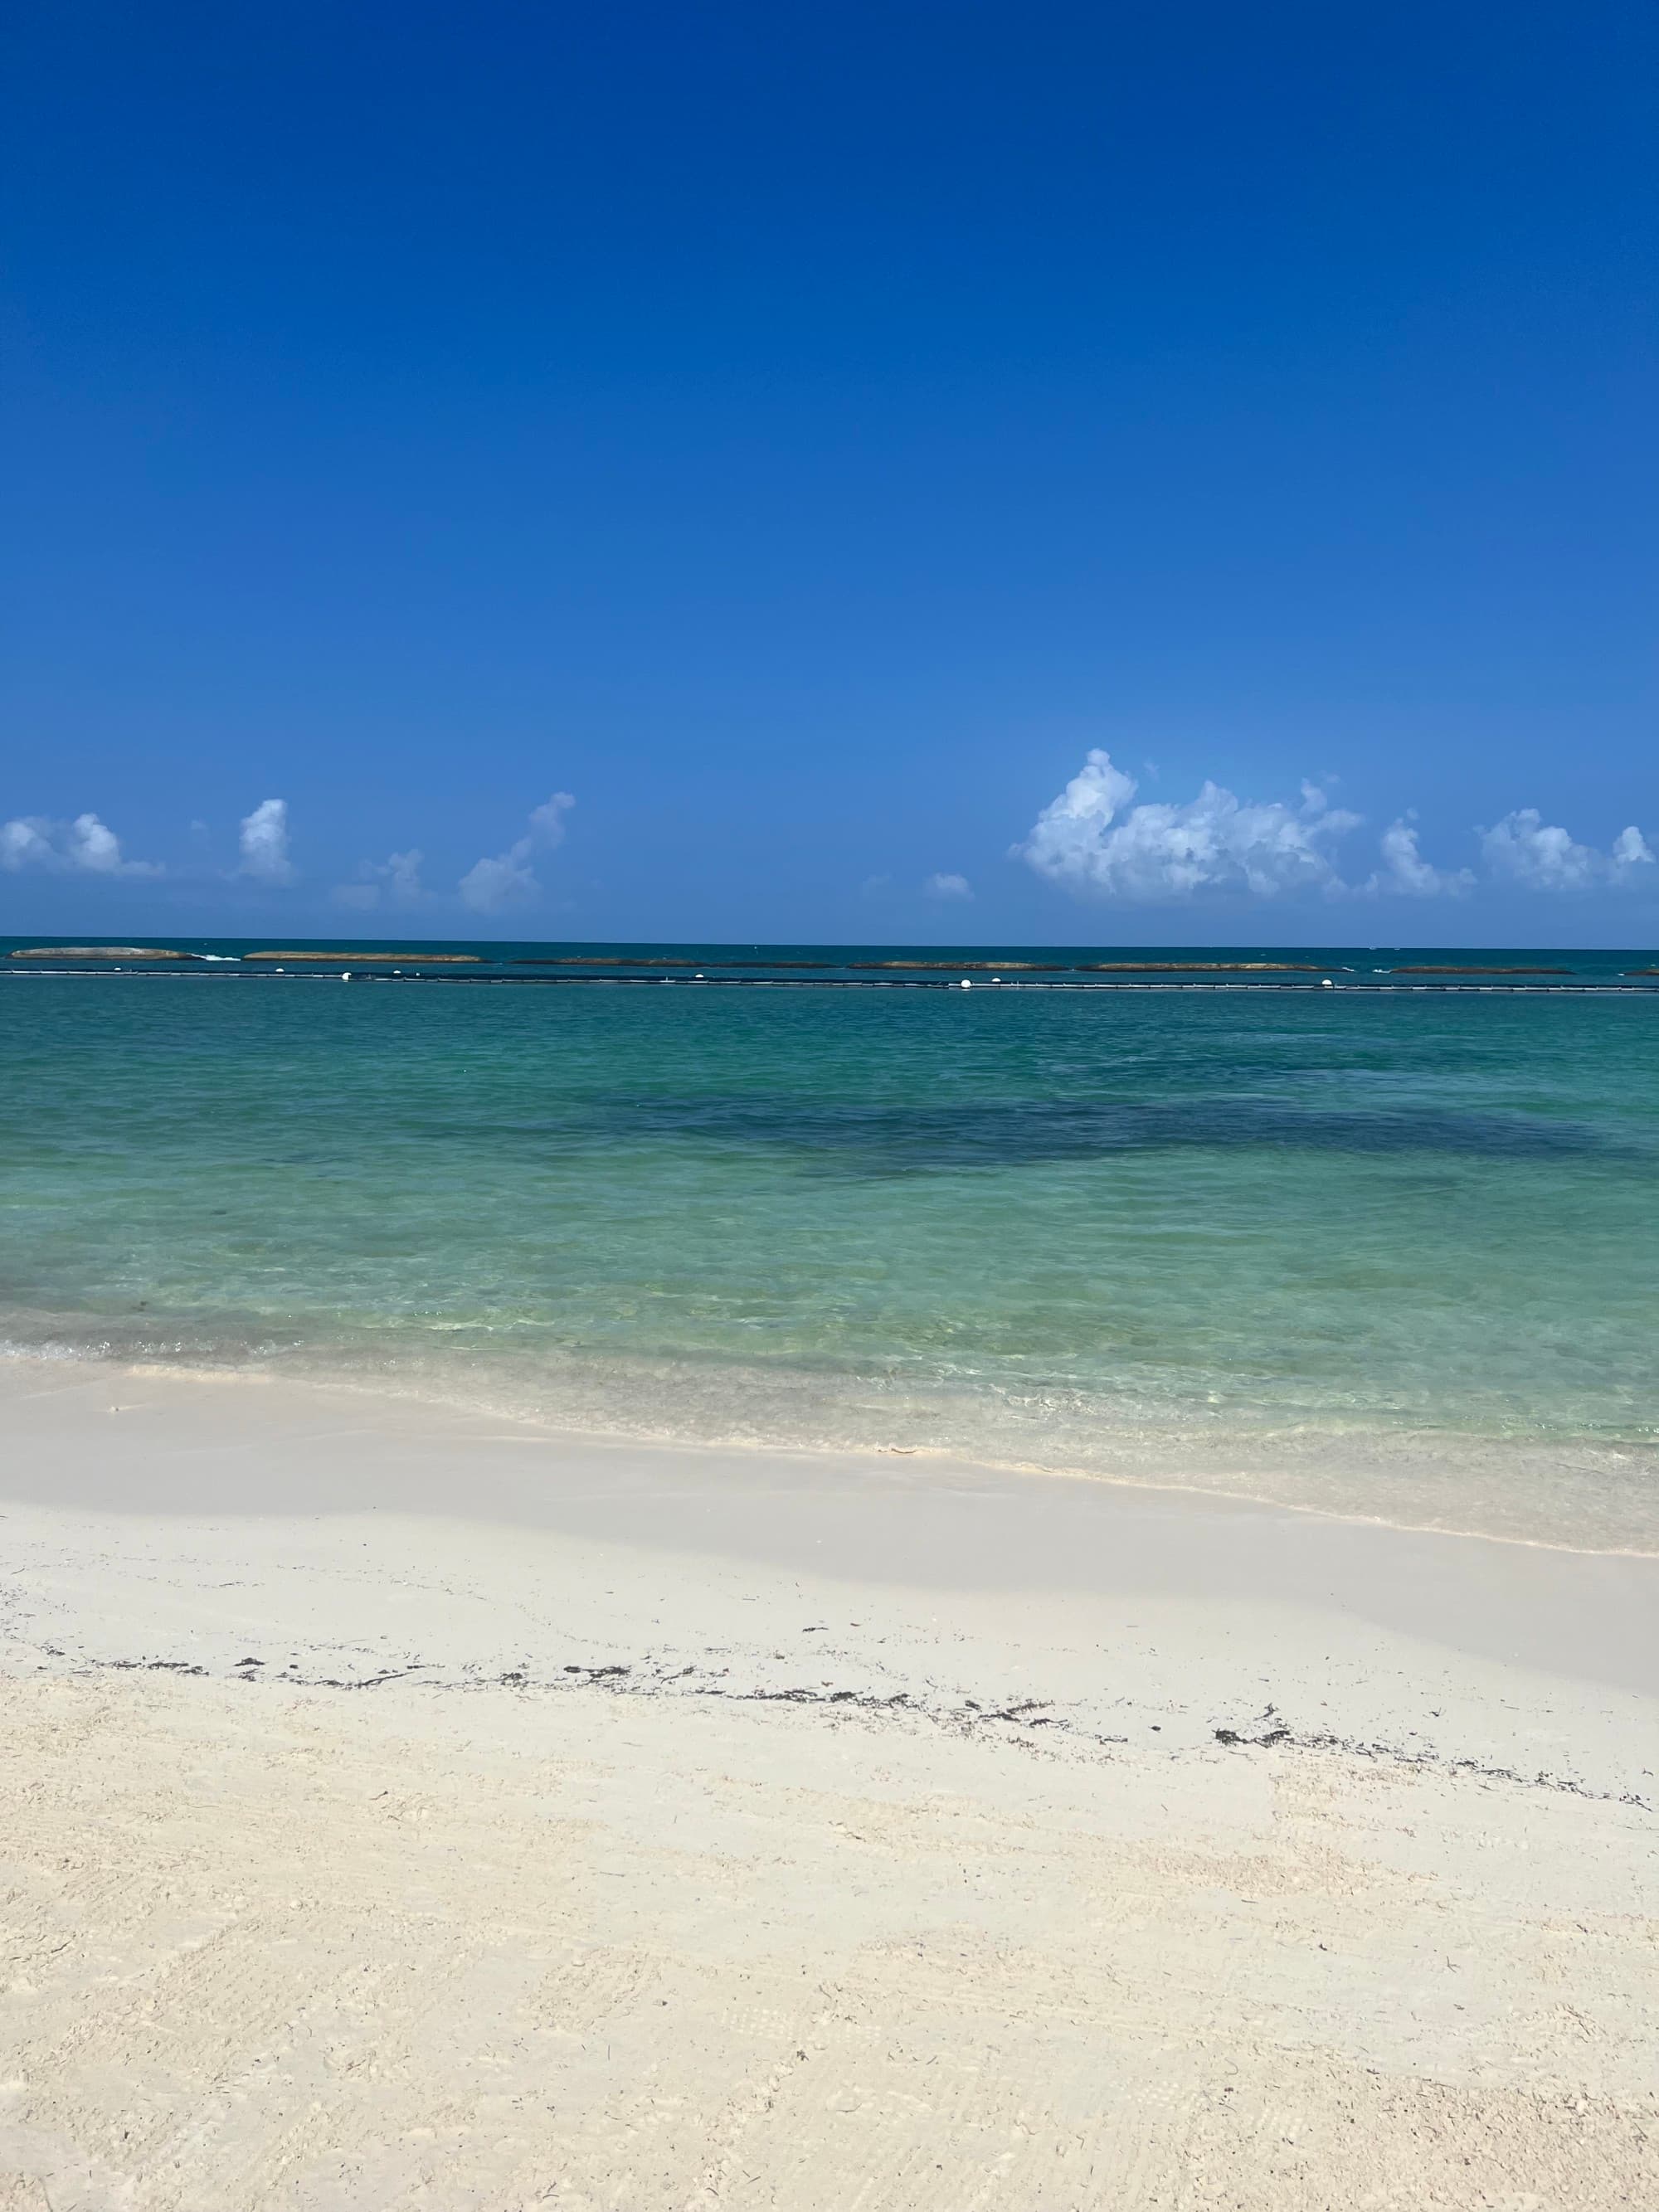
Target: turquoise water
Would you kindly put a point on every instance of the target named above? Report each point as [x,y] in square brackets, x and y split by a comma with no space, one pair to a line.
[1398,1253]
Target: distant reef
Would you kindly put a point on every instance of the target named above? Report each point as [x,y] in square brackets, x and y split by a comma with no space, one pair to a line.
[1201,968]
[1026,967]
[98,952]
[363,959]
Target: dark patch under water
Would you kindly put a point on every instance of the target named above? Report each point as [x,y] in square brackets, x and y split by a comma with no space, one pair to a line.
[905,1139]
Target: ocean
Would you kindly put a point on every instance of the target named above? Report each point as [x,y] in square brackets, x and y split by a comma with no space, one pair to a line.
[1312,1229]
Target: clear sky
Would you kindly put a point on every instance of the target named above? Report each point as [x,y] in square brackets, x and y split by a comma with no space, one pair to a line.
[728,468]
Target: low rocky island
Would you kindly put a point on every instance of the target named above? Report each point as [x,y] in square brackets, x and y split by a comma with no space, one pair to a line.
[97,953]
[363,959]
[1200,968]
[954,967]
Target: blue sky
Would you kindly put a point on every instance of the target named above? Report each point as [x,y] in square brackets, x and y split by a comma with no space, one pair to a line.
[737,471]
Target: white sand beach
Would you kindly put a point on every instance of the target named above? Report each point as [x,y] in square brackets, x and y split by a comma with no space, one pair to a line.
[410,1809]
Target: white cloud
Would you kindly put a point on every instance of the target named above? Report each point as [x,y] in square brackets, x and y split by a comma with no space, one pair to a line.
[265,843]
[1523,849]
[1092,840]
[508,879]
[489,886]
[1406,874]
[947,887]
[85,846]
[396,880]
[547,821]
[26,843]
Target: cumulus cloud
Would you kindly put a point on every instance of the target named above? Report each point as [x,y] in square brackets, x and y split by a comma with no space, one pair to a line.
[85,846]
[1093,840]
[507,878]
[1406,874]
[1523,849]
[263,841]
[24,843]
[395,881]
[947,887]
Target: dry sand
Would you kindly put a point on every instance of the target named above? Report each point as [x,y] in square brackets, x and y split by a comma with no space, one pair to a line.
[403,1809]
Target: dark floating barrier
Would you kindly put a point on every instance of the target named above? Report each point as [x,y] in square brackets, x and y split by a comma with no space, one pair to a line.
[919,973]
[98,952]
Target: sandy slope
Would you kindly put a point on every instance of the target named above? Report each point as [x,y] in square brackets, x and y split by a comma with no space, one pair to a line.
[900,1867]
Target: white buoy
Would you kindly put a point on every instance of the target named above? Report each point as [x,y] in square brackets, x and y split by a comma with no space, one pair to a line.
[345,974]
[1328,985]
[966,985]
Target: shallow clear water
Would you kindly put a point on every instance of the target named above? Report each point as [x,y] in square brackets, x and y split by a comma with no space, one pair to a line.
[1400,1255]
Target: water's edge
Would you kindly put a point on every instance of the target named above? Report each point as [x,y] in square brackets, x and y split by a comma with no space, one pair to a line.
[1583,1495]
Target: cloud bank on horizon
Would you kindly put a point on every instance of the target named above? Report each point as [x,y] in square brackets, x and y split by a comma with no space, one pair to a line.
[86,846]
[493,884]
[1094,842]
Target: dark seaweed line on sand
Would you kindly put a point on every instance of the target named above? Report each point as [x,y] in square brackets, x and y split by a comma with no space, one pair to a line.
[969,1719]
[1278,1736]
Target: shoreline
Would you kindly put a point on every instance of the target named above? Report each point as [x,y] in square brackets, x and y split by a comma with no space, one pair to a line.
[408,1811]
[1428,1455]
[114,1457]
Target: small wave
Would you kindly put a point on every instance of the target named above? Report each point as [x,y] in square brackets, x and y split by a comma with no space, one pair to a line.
[1579,1494]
